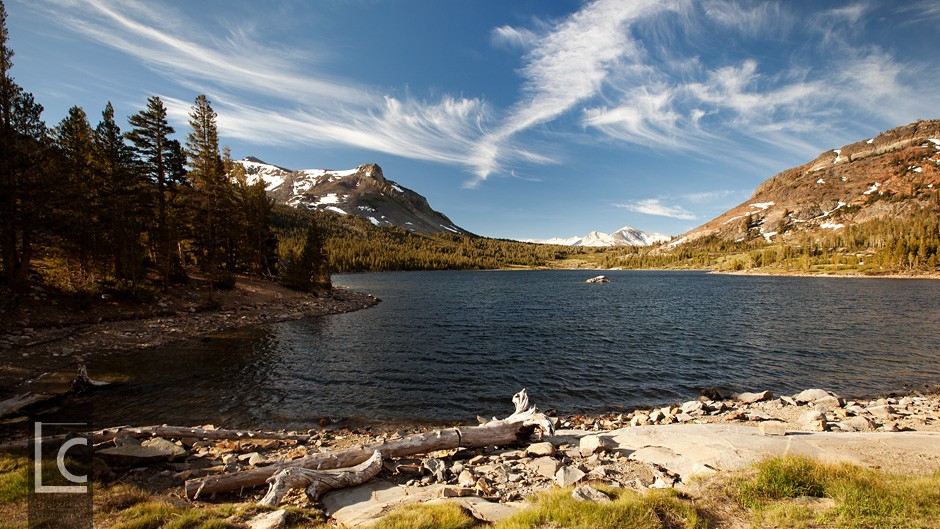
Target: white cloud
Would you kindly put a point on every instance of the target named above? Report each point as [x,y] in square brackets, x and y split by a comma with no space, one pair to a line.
[567,65]
[514,37]
[655,206]
[314,109]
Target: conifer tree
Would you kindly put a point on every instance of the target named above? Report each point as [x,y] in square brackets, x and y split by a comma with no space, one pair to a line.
[22,150]
[161,159]
[125,198]
[212,191]
[79,207]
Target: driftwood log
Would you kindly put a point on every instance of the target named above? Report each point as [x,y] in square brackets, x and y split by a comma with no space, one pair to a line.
[176,432]
[514,429]
[319,482]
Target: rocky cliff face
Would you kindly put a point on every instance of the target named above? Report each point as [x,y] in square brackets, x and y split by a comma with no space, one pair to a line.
[892,174]
[363,191]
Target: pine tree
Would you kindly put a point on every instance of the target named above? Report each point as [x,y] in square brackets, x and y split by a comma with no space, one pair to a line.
[161,160]
[125,201]
[212,191]
[79,205]
[22,157]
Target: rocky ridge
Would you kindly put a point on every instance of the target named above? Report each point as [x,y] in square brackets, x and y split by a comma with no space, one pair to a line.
[892,174]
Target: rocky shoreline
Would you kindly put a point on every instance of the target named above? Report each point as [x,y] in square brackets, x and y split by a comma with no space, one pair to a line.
[493,482]
[43,344]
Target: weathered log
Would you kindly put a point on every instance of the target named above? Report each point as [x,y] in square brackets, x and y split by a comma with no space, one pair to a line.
[514,429]
[83,383]
[319,482]
[175,432]
[14,405]
[178,432]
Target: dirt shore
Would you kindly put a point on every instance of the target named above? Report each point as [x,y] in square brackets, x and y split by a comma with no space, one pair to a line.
[45,337]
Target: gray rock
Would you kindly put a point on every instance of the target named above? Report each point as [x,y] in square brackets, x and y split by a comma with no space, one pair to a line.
[588,493]
[541,449]
[684,417]
[155,451]
[789,401]
[751,398]
[544,466]
[810,395]
[814,421]
[657,416]
[466,479]
[856,424]
[436,467]
[569,475]
[693,407]
[884,412]
[268,520]
[773,428]
[456,492]
[592,444]
[827,403]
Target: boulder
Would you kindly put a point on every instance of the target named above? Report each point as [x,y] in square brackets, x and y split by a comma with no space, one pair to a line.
[592,444]
[544,466]
[884,412]
[814,421]
[856,424]
[751,398]
[540,449]
[773,428]
[436,467]
[827,403]
[268,520]
[811,395]
[151,451]
[598,279]
[588,493]
[569,475]
[467,479]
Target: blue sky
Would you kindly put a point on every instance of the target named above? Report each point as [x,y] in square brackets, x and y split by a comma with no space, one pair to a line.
[523,119]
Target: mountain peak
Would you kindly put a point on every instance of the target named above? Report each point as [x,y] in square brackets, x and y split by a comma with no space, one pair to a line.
[363,191]
[626,236]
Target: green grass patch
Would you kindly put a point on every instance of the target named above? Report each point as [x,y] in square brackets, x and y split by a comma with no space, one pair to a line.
[654,509]
[433,516]
[14,478]
[798,492]
[163,515]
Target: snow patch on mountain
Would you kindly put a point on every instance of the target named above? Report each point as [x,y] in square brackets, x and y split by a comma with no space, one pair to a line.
[625,236]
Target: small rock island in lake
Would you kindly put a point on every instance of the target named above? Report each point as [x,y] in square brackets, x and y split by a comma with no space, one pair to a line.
[598,279]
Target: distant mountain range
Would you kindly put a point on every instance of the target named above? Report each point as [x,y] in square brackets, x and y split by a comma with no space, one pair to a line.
[363,191]
[625,236]
[890,175]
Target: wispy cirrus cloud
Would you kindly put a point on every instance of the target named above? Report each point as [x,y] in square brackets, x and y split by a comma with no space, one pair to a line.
[303,108]
[638,73]
[656,206]
[514,37]
[567,65]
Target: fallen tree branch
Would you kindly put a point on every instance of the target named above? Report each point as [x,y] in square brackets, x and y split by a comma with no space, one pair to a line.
[176,432]
[514,429]
[319,482]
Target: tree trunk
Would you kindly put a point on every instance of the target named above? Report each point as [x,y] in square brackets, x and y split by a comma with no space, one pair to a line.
[319,482]
[511,430]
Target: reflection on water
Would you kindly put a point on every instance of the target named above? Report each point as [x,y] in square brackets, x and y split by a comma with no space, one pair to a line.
[452,345]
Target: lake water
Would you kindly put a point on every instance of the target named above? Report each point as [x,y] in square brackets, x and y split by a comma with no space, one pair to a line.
[448,346]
